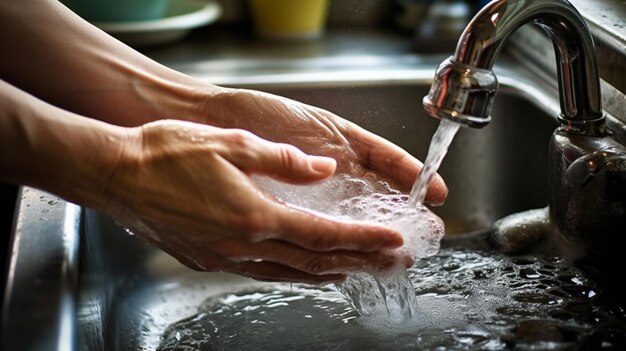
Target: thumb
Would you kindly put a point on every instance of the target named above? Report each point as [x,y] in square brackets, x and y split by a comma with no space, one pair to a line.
[284,162]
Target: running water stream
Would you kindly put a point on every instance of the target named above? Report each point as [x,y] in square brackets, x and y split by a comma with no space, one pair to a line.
[393,294]
[436,152]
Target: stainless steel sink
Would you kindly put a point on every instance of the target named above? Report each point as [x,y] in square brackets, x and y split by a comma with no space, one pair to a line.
[90,285]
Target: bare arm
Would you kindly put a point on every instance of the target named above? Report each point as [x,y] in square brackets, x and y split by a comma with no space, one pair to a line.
[52,149]
[52,53]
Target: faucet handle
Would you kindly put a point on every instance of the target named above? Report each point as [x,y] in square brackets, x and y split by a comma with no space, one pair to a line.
[585,168]
[588,191]
[461,93]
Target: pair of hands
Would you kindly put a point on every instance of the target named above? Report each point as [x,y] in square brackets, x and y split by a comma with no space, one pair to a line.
[191,193]
[184,187]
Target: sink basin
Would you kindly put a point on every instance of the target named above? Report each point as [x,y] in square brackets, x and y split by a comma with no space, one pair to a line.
[114,292]
[482,168]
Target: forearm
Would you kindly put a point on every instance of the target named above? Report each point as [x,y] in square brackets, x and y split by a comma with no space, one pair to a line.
[55,150]
[50,52]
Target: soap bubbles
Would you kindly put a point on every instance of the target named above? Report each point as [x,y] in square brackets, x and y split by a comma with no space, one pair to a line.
[347,197]
[388,295]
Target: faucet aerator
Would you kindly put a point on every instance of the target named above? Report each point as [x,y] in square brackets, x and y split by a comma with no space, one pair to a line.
[462,94]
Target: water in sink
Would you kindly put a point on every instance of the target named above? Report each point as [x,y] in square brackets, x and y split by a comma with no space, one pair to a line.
[466,301]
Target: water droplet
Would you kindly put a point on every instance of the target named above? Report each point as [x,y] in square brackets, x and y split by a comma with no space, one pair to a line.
[470,338]
[529,273]
[451,266]
[579,291]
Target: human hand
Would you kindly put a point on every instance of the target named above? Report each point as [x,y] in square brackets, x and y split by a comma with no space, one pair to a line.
[185,188]
[320,132]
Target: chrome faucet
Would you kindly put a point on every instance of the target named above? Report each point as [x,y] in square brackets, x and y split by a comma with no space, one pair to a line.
[587,169]
[465,84]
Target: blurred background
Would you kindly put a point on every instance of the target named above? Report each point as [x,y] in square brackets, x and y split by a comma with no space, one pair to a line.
[432,25]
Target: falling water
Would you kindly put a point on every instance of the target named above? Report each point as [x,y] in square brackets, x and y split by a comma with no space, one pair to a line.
[393,293]
[436,152]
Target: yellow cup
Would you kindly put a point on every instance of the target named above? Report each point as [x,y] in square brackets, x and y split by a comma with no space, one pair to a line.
[289,19]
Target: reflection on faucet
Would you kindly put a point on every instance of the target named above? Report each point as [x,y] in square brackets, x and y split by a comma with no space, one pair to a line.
[587,165]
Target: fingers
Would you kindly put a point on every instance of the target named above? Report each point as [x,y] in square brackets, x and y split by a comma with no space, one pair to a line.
[318,233]
[259,270]
[274,272]
[308,261]
[284,162]
[392,161]
[437,191]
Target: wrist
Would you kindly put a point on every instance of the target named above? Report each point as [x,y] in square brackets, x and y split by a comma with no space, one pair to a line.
[60,152]
[196,101]
[83,167]
[168,94]
[110,176]
[227,107]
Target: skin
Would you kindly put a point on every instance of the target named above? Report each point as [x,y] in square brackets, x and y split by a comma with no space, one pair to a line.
[170,157]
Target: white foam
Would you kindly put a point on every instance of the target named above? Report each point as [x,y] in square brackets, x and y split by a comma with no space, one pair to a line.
[389,295]
[347,197]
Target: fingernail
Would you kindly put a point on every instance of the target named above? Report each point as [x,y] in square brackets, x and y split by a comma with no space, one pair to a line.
[323,164]
[439,185]
[408,262]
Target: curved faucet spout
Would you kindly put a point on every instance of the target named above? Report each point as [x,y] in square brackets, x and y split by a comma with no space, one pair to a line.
[465,85]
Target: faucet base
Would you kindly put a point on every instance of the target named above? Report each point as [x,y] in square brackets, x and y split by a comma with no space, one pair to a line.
[520,232]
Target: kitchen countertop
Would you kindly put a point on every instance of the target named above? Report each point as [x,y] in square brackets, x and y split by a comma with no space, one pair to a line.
[209,53]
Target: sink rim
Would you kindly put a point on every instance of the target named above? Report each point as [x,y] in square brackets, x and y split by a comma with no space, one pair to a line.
[44,257]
